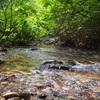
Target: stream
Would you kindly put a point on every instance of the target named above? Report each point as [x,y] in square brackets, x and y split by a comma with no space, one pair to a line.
[21,76]
[32,59]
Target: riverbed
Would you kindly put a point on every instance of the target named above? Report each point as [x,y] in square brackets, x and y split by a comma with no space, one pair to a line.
[21,77]
[32,59]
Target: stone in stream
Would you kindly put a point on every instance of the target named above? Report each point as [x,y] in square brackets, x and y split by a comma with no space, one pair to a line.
[2,77]
[52,62]
[34,49]
[15,98]
[10,95]
[71,62]
[11,78]
[42,95]
[55,64]
[26,96]
[3,49]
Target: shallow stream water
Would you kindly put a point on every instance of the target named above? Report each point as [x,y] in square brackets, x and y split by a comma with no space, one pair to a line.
[25,59]
[82,84]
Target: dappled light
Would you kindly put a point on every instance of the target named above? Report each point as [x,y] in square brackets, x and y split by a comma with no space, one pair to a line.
[49,49]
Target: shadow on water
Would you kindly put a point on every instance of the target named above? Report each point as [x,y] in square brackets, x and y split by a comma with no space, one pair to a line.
[23,58]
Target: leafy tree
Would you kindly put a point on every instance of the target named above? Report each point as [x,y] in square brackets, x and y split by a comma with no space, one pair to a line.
[22,21]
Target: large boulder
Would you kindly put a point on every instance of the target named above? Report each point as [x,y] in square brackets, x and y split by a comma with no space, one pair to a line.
[55,64]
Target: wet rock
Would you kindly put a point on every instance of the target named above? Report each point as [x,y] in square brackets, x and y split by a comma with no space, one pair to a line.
[10,95]
[42,95]
[54,64]
[52,61]
[71,62]
[55,93]
[2,77]
[89,95]
[34,49]
[4,83]
[50,84]
[59,67]
[2,55]
[39,86]
[15,98]
[26,96]
[71,98]
[3,49]
[50,98]
[11,78]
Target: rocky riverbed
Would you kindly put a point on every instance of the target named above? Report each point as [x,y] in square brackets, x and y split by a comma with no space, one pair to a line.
[49,85]
[55,81]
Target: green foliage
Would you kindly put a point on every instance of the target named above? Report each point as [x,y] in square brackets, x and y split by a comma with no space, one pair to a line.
[78,21]
[22,21]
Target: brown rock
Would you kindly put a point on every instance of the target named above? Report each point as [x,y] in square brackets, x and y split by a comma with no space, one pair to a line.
[42,95]
[26,96]
[4,83]
[10,95]
[15,98]
[71,98]
[39,86]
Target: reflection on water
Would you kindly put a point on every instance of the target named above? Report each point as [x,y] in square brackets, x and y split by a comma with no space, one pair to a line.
[35,58]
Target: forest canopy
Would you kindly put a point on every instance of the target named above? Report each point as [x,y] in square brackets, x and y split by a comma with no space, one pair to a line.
[78,21]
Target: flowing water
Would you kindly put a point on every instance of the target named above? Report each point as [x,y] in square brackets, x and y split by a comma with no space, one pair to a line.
[25,59]
[82,84]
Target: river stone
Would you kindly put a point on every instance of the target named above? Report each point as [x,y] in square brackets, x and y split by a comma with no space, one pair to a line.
[52,61]
[15,98]
[55,64]
[10,95]
[26,96]
[3,50]
[2,77]
[11,78]
[72,98]
[34,49]
[42,95]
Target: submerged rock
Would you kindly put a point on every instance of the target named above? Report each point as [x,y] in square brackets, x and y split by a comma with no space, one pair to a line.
[54,64]
[34,49]
[52,61]
[2,77]
[42,95]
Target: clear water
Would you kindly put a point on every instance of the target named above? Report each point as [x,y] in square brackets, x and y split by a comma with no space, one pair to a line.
[36,57]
